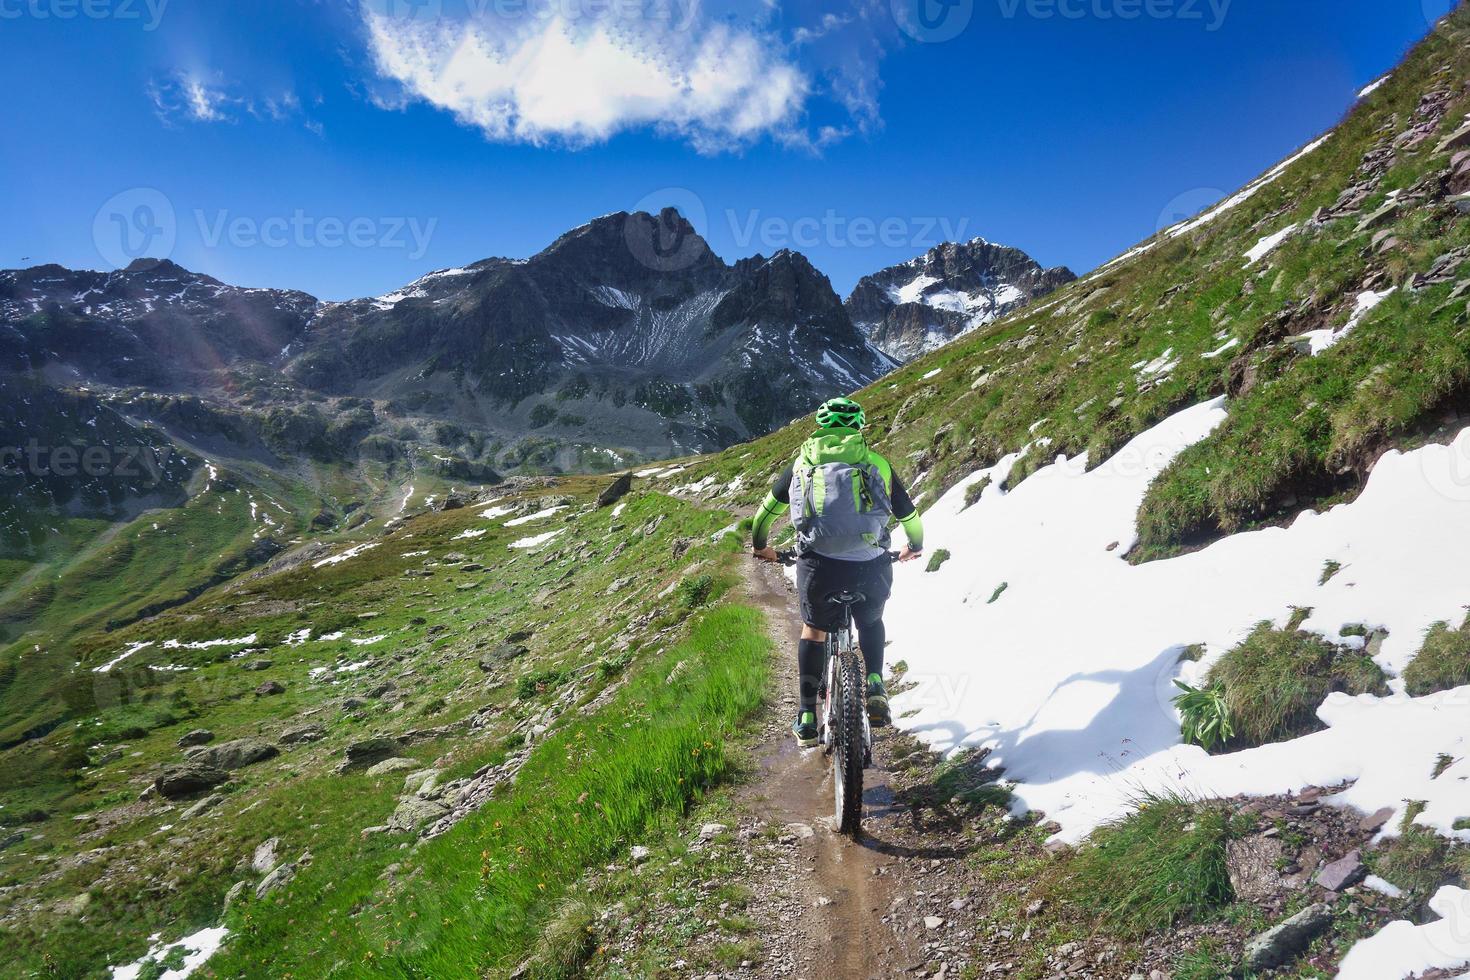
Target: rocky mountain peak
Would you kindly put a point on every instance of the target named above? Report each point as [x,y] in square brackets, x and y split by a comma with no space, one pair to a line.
[916,306]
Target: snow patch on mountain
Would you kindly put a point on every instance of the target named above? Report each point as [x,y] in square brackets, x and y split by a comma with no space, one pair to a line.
[1067,673]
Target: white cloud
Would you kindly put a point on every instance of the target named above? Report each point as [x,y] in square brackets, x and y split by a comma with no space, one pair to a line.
[187,95]
[717,83]
[207,98]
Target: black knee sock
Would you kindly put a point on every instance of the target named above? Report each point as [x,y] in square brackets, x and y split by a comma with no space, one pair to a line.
[872,637]
[809,656]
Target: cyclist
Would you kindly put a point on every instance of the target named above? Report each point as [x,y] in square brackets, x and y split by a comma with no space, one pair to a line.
[845,496]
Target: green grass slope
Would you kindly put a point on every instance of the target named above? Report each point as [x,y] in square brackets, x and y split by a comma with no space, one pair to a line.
[1183,318]
[605,666]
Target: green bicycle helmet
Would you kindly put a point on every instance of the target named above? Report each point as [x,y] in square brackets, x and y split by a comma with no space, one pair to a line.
[840,413]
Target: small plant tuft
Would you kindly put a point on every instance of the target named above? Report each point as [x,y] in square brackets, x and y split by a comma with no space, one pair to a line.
[1443,662]
[937,559]
[1204,717]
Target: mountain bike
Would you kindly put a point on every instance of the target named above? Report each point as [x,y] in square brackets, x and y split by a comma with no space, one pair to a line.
[844,732]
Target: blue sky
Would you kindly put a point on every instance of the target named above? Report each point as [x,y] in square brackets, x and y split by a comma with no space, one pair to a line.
[346,148]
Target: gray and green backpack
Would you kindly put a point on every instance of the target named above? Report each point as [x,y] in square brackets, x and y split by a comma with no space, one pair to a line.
[840,502]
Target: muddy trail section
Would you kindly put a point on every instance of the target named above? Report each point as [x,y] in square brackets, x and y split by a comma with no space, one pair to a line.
[829,905]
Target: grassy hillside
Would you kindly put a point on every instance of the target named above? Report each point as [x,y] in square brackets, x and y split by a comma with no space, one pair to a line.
[1184,317]
[602,665]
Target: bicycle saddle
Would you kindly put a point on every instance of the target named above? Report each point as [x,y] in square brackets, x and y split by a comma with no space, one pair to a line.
[846,598]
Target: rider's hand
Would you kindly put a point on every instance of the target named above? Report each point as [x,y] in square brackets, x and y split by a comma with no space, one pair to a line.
[766,554]
[909,554]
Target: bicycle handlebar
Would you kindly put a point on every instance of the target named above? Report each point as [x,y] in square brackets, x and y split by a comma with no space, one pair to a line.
[789,557]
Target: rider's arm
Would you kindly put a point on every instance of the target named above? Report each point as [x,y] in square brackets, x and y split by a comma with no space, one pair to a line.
[907,514]
[777,502]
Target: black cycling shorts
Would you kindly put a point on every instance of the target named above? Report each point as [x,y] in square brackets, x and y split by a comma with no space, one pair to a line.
[818,577]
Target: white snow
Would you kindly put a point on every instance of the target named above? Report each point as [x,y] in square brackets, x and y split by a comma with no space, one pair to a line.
[1381,885]
[911,291]
[1230,344]
[197,948]
[1264,247]
[1243,195]
[1373,87]
[472,533]
[1402,949]
[618,509]
[206,644]
[132,649]
[1327,337]
[490,513]
[352,552]
[538,516]
[931,374]
[1068,675]
[369,641]
[535,540]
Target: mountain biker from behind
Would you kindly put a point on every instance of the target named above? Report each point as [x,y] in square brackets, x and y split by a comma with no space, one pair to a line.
[844,497]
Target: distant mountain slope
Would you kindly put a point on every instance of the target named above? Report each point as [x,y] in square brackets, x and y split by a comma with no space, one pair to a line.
[627,332]
[912,308]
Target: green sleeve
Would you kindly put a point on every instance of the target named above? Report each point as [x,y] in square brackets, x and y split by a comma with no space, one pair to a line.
[914,528]
[760,528]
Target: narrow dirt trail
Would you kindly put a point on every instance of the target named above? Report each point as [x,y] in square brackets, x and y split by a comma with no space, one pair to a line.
[839,918]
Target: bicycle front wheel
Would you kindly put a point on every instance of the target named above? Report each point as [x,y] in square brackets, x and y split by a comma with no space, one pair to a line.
[847,759]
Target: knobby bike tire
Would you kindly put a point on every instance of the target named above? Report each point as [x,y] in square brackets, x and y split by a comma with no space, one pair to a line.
[847,761]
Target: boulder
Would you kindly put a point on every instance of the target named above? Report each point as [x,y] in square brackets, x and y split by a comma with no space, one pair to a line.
[388,766]
[269,688]
[370,751]
[1345,872]
[502,654]
[1379,218]
[233,895]
[420,783]
[1458,140]
[1283,941]
[208,803]
[266,856]
[235,754]
[199,736]
[615,491]
[277,879]
[413,813]
[1374,822]
[306,733]
[177,782]
[261,664]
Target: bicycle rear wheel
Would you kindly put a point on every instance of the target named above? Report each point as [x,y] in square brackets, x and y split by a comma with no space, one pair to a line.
[849,750]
